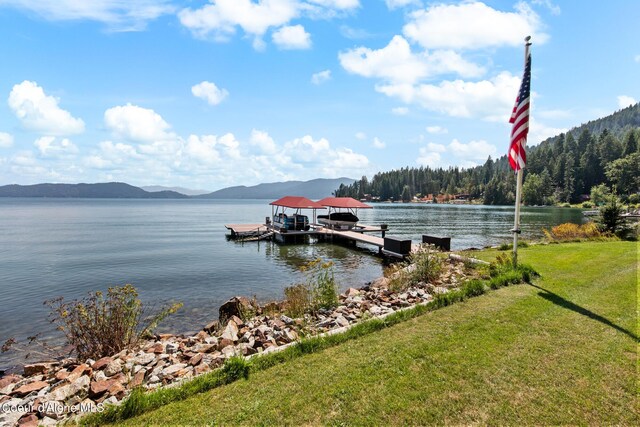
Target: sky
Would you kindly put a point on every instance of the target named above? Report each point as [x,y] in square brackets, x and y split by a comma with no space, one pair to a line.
[207,94]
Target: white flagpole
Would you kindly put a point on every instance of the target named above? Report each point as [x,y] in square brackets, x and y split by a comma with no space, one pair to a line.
[516,221]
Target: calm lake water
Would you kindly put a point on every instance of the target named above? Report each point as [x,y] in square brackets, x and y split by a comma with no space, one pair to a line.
[176,250]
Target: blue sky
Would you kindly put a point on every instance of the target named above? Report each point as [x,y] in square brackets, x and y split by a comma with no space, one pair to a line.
[209,94]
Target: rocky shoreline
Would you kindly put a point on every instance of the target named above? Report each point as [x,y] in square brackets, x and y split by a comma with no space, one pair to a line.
[51,392]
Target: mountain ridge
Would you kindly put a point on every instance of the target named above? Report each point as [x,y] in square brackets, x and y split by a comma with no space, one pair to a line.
[314,189]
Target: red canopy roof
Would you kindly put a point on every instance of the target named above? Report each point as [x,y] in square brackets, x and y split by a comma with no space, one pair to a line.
[297,203]
[343,202]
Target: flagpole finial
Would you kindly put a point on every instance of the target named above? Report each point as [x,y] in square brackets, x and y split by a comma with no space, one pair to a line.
[527,40]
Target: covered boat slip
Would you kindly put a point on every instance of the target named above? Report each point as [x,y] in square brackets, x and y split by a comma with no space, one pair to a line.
[289,225]
[343,212]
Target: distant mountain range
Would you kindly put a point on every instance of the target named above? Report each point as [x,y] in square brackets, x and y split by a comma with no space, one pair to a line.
[182,190]
[107,190]
[314,189]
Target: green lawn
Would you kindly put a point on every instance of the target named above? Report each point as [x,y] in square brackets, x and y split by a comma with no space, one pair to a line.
[560,351]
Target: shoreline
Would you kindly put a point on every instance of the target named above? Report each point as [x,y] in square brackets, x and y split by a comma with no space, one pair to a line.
[169,359]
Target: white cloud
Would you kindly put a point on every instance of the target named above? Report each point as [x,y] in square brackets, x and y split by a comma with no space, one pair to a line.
[397,63]
[292,37]
[396,4]
[555,114]
[637,58]
[473,25]
[209,92]
[202,149]
[624,101]
[50,146]
[400,111]
[473,153]
[321,77]
[6,140]
[221,17]
[490,99]
[378,144]
[538,132]
[262,140]
[354,33]
[428,158]
[119,15]
[40,112]
[361,136]
[137,123]
[337,4]
[553,8]
[436,130]
[436,148]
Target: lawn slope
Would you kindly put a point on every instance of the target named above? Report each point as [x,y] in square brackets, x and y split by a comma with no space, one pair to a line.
[560,351]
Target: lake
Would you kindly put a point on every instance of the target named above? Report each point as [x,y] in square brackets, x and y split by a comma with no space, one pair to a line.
[176,250]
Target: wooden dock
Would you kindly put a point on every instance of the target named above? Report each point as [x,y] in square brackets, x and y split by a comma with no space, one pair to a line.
[253,232]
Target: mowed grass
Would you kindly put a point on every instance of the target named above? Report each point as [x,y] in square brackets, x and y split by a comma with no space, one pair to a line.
[561,351]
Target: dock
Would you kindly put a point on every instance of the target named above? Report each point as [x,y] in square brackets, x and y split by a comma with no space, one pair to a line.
[254,232]
[296,227]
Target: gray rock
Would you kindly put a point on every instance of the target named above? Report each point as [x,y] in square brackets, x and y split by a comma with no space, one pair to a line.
[8,389]
[153,379]
[286,319]
[47,421]
[78,387]
[231,331]
[114,367]
[173,369]
[10,418]
[211,340]
[99,376]
[144,358]
[229,351]
[172,348]
[341,321]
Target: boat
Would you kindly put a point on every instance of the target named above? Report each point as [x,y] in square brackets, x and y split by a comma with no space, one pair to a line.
[297,222]
[283,220]
[339,220]
[342,212]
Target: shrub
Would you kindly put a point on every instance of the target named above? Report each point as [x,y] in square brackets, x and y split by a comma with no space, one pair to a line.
[570,231]
[587,205]
[298,300]
[320,291]
[473,288]
[610,220]
[423,265]
[508,246]
[428,265]
[102,325]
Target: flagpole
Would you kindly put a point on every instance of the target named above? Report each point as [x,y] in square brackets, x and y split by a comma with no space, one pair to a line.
[516,221]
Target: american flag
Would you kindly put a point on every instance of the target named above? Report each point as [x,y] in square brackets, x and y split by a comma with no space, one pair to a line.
[520,120]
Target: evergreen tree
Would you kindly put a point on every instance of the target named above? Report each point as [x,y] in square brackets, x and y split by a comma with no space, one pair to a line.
[630,143]
[532,190]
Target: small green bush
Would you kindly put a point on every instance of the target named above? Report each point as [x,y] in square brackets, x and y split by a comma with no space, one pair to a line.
[473,288]
[587,205]
[298,300]
[103,325]
[423,265]
[320,291]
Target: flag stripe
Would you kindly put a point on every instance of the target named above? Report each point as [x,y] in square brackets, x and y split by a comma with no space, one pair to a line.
[520,119]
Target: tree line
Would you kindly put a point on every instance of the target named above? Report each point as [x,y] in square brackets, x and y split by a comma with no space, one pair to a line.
[601,155]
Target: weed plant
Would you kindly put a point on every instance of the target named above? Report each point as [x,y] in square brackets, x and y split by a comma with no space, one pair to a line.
[102,325]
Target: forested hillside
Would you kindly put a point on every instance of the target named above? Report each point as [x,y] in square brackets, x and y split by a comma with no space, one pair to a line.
[565,168]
